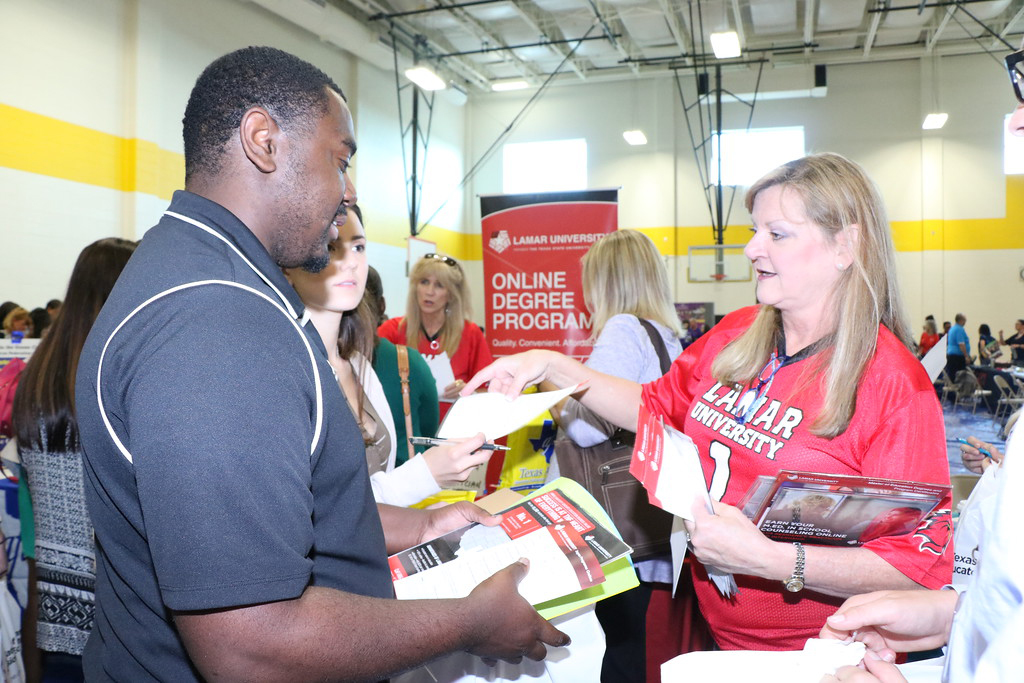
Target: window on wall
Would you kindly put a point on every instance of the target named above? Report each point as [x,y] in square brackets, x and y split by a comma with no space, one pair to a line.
[749,154]
[1013,150]
[551,166]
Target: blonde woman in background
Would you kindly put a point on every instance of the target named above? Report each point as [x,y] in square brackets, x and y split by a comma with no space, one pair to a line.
[624,281]
[344,319]
[437,324]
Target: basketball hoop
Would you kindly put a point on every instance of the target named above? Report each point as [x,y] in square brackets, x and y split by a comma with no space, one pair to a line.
[718,277]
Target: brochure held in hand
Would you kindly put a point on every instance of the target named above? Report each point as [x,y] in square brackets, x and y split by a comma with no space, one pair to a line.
[568,550]
[838,510]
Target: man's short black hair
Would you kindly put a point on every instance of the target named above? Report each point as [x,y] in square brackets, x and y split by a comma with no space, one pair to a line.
[290,89]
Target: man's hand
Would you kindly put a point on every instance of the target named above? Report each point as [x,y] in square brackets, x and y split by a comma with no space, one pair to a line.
[509,627]
[888,622]
[439,521]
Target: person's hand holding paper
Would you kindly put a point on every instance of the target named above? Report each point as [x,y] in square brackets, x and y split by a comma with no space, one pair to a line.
[494,414]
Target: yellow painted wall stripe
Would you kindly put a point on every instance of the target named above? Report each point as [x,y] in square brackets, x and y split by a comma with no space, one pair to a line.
[40,144]
[47,146]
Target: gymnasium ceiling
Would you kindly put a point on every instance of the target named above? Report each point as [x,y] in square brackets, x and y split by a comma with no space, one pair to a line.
[474,43]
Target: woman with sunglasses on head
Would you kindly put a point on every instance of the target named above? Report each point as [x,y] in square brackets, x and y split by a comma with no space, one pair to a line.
[437,324]
[344,318]
[819,376]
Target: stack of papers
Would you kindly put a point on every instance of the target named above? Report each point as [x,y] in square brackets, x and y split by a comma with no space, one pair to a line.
[575,558]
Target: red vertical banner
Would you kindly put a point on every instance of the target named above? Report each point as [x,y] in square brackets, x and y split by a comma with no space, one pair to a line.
[532,246]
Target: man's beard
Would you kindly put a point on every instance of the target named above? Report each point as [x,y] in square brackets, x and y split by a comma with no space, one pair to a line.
[316,263]
[312,261]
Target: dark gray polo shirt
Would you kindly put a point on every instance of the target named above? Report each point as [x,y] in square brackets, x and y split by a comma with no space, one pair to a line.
[224,468]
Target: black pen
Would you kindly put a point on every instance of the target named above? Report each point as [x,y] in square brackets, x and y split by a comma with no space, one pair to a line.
[429,441]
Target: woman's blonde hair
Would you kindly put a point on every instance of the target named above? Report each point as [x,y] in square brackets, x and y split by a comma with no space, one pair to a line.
[836,194]
[15,315]
[623,273]
[449,273]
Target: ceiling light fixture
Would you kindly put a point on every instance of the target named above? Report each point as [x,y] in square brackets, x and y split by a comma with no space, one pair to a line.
[425,78]
[634,137]
[934,121]
[503,86]
[726,44]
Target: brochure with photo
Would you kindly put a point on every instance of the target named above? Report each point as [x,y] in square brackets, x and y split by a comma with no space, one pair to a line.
[839,510]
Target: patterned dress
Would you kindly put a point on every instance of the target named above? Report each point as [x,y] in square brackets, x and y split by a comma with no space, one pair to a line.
[65,556]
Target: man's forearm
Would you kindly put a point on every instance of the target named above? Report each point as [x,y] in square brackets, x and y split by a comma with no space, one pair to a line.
[403,527]
[325,634]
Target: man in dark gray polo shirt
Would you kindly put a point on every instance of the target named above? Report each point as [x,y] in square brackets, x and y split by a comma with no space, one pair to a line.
[236,532]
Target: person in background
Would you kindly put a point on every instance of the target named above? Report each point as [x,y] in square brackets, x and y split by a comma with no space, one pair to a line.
[236,532]
[958,347]
[981,625]
[345,320]
[624,281]
[1016,343]
[929,338]
[987,345]
[5,308]
[977,455]
[40,321]
[18,320]
[50,451]
[946,325]
[424,413]
[818,377]
[53,308]
[437,324]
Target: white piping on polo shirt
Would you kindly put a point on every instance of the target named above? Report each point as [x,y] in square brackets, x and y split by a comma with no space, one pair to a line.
[223,239]
[289,314]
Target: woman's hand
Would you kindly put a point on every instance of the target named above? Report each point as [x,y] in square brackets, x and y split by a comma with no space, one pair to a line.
[451,392]
[875,671]
[888,622]
[453,463]
[511,374]
[972,457]
[730,541]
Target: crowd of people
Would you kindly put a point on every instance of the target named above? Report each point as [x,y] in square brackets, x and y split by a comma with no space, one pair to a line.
[212,511]
[18,323]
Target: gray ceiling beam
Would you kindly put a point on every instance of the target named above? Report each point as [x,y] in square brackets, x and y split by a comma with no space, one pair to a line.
[536,18]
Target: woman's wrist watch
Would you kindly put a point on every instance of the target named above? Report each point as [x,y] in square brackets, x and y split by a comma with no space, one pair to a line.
[795,583]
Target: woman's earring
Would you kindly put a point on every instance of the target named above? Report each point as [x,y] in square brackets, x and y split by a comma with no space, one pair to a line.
[840,266]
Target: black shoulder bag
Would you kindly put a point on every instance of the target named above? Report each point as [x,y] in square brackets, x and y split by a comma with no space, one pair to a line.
[604,471]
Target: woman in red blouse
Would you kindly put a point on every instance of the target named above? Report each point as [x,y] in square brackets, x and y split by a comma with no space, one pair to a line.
[929,338]
[437,312]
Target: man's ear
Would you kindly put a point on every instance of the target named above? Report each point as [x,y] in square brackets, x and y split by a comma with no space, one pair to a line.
[258,135]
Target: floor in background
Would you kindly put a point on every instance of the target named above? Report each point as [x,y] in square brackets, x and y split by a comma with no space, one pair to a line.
[961,423]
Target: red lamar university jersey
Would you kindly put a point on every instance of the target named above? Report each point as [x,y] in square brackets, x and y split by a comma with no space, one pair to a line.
[897,432]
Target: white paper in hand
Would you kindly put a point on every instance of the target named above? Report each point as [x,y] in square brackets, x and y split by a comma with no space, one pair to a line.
[441,368]
[935,360]
[494,415]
